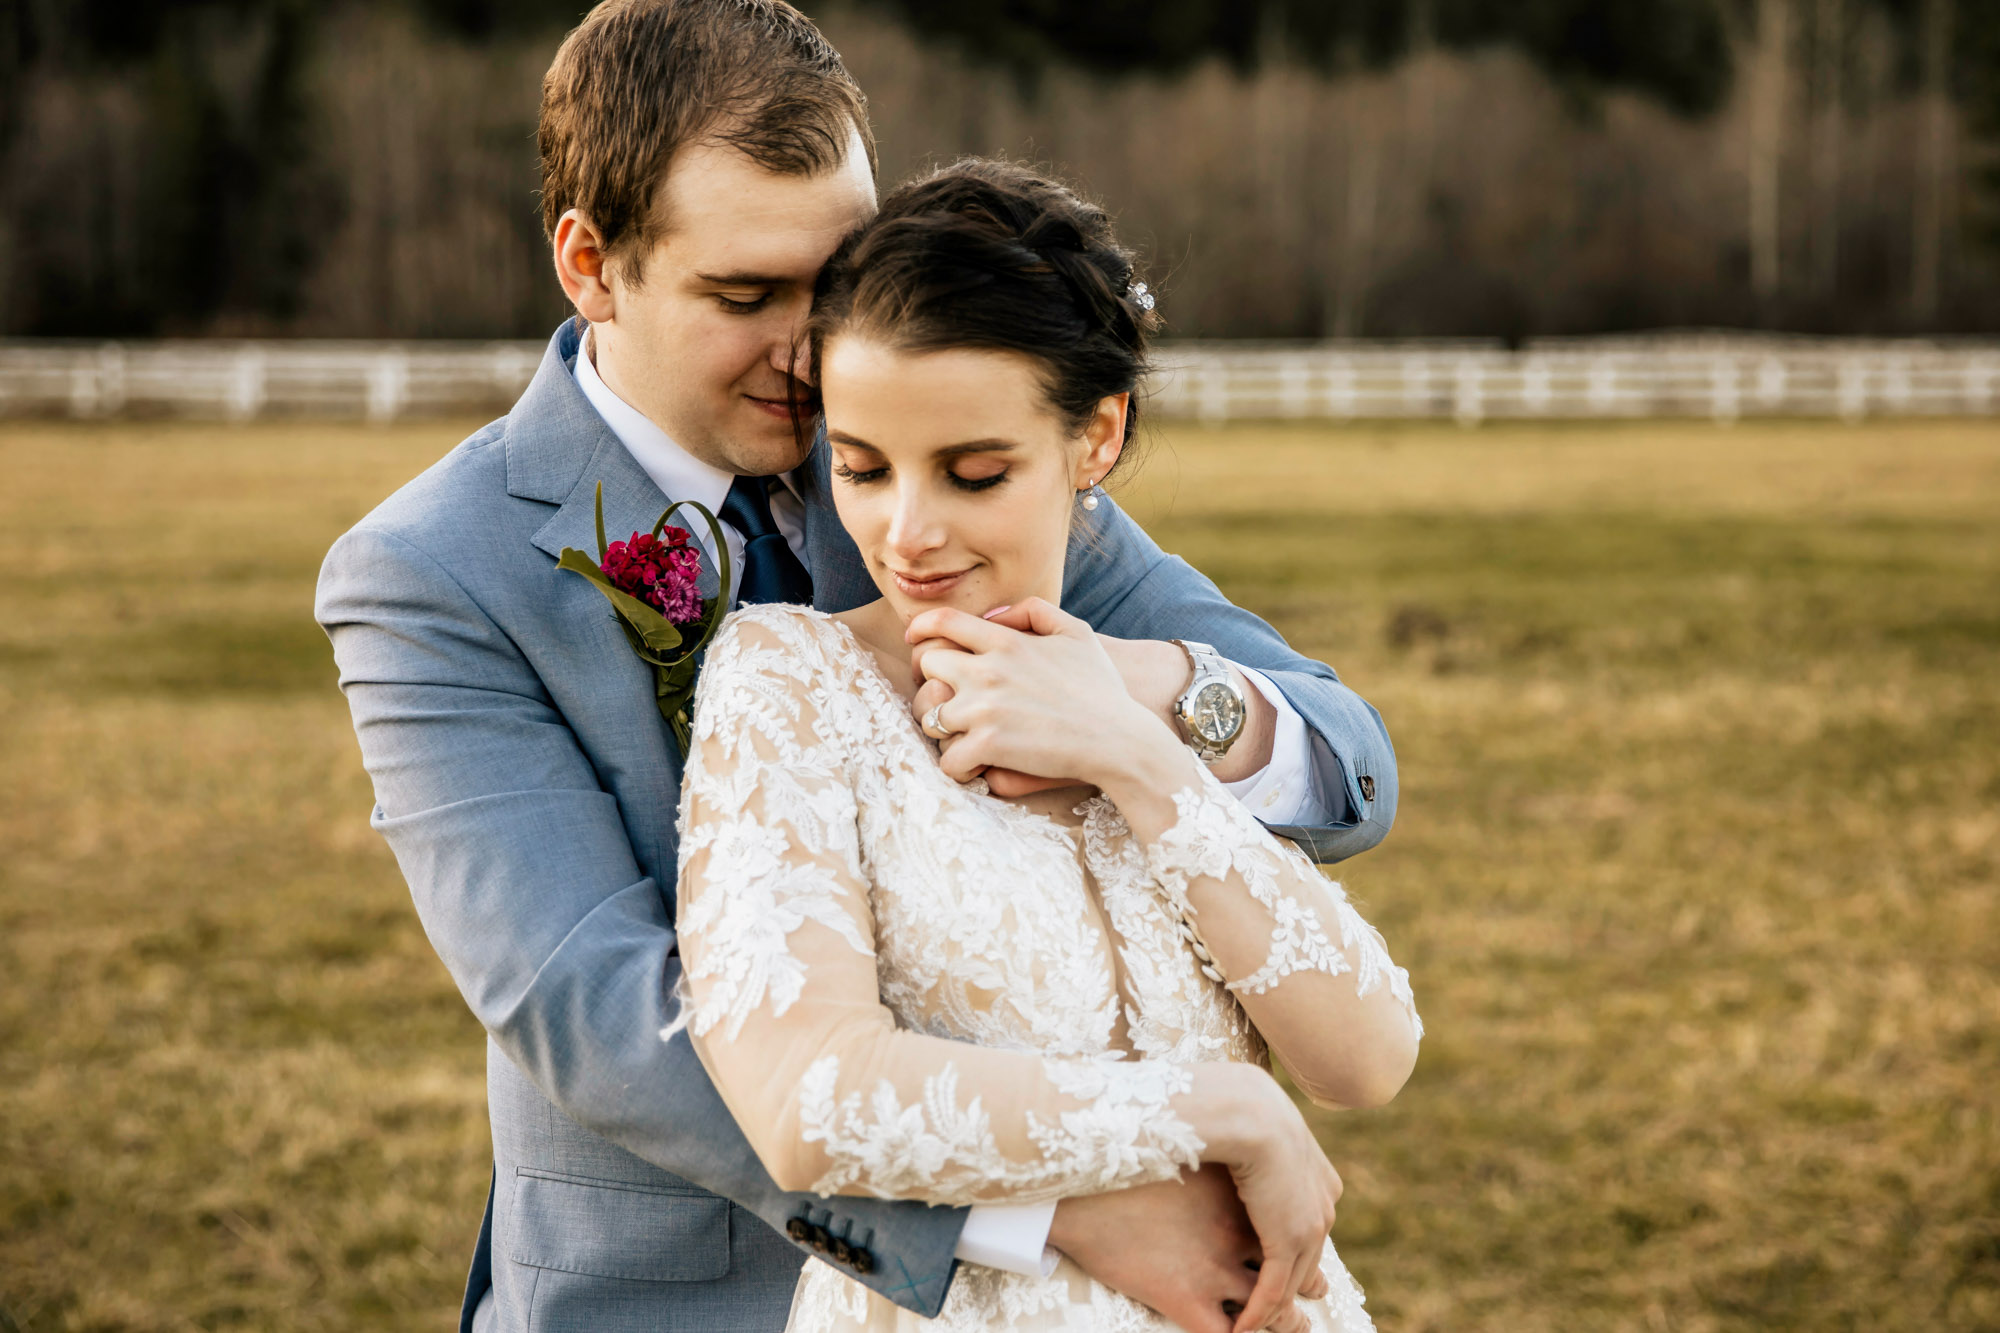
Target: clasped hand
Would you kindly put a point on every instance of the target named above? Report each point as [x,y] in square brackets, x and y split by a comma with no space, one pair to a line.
[1032,696]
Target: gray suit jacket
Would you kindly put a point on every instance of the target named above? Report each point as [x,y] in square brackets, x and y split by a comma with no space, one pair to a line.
[528,788]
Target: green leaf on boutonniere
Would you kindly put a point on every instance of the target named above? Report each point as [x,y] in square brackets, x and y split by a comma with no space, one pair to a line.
[652,629]
[659,642]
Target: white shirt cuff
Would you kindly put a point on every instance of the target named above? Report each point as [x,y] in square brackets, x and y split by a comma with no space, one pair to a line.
[1285,791]
[1013,1237]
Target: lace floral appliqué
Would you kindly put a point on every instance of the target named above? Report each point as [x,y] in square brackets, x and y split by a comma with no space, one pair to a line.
[1213,836]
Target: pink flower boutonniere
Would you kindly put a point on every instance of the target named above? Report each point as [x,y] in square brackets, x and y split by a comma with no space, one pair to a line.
[653,582]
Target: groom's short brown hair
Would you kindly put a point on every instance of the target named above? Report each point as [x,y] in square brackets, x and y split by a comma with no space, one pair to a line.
[638,80]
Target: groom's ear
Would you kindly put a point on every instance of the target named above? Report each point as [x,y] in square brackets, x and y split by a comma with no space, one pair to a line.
[583,268]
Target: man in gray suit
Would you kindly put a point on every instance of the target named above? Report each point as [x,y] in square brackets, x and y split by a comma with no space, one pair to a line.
[701,158]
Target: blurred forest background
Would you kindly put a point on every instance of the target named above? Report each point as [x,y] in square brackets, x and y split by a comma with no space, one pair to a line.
[1293,168]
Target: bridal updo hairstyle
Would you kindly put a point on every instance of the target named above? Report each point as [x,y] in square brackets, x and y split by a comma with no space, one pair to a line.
[988,254]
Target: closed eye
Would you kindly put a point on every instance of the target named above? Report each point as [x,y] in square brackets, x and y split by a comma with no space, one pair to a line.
[736,306]
[846,473]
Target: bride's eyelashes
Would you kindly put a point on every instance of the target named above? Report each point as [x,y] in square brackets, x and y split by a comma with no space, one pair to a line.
[848,474]
[976,483]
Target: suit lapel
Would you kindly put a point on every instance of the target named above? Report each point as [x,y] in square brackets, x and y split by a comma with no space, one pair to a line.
[559,449]
[632,503]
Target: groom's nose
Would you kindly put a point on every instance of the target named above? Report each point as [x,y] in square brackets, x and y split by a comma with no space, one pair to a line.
[788,351]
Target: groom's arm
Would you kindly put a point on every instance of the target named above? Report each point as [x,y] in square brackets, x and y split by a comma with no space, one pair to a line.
[527,885]
[1125,585]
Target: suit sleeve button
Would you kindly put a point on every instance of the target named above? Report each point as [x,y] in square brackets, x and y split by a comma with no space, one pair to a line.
[864,1261]
[799,1230]
[842,1251]
[1367,787]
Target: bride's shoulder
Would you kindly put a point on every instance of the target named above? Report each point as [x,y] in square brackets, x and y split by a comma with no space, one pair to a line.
[773,635]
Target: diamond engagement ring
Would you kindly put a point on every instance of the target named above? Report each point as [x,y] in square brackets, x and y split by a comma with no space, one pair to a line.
[934,727]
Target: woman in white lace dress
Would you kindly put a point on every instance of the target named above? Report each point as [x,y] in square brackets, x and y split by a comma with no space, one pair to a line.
[905,986]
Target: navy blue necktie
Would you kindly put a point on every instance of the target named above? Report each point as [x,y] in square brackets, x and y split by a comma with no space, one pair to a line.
[771,573]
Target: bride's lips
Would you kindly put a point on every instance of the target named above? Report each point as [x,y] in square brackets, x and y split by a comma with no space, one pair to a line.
[928,589]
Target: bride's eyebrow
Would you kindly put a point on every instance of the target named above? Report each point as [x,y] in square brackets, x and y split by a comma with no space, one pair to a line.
[977,447]
[994,446]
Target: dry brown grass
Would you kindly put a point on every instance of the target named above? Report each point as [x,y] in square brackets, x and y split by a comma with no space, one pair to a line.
[1695,874]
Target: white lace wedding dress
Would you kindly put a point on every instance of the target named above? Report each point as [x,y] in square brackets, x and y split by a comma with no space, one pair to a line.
[909,988]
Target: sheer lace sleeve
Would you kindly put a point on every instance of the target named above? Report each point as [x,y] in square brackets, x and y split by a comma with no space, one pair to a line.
[777,940]
[1258,912]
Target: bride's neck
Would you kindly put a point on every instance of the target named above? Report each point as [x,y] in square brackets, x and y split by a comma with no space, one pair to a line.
[880,630]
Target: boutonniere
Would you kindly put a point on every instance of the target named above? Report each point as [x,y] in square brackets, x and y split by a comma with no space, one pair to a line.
[653,585]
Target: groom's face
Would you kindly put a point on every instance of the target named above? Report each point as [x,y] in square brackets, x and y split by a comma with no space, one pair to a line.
[703,343]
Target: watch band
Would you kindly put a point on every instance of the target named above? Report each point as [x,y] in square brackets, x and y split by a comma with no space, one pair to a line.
[1208,668]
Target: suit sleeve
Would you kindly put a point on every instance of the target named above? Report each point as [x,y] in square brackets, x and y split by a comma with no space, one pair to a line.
[527,885]
[1120,581]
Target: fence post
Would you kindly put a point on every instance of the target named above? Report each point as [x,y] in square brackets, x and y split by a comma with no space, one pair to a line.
[1294,386]
[1853,403]
[111,379]
[1212,397]
[1417,385]
[1603,392]
[1896,384]
[1340,388]
[245,396]
[1468,405]
[83,396]
[1770,383]
[1979,376]
[388,385]
[1724,404]
[1537,385]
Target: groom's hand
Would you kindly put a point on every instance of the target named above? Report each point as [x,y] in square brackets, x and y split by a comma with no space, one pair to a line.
[1184,1247]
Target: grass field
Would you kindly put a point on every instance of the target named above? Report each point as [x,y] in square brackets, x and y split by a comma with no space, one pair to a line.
[1695,875]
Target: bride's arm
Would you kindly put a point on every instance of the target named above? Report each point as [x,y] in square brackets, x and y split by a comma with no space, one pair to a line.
[777,938]
[1314,977]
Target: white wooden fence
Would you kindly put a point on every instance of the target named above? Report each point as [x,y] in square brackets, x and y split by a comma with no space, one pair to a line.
[1721,377]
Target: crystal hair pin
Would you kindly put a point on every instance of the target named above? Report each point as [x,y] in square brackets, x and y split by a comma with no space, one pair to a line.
[1141,297]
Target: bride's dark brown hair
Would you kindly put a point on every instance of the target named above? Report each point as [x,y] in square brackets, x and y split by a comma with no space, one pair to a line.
[988,254]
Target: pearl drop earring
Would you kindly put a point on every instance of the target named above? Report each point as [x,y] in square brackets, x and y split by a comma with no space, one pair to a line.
[1090,494]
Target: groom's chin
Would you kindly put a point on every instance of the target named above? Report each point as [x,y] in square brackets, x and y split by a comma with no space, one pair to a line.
[765,443]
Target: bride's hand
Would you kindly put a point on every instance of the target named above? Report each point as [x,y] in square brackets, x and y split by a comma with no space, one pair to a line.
[1046,700]
[1288,1188]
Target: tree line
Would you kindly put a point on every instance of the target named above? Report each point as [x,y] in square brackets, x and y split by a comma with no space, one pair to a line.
[1293,167]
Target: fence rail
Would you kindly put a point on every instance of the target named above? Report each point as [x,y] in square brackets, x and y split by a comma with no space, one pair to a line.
[1720,377]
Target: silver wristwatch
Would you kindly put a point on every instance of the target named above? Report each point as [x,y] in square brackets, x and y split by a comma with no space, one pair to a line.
[1211,709]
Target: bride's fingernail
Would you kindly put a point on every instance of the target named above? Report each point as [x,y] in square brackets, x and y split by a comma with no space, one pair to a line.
[997,611]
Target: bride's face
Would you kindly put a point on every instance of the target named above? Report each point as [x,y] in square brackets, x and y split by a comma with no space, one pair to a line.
[953,474]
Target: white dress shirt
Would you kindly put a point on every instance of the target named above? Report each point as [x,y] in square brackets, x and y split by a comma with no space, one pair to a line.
[1013,1237]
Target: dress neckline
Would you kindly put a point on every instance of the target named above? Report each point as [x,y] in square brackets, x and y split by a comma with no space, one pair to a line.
[852,645]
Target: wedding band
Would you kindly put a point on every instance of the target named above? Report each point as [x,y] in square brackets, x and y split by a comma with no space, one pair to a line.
[934,726]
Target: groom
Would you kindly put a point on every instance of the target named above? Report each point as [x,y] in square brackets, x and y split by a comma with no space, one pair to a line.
[701,158]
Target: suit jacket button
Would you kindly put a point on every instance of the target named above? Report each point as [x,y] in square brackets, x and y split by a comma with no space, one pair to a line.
[799,1230]
[1367,788]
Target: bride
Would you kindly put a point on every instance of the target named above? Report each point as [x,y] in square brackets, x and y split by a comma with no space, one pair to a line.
[908,987]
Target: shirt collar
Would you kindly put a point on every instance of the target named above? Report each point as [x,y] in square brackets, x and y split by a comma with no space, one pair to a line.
[678,473]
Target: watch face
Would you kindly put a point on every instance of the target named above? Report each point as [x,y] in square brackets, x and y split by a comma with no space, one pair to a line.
[1217,714]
